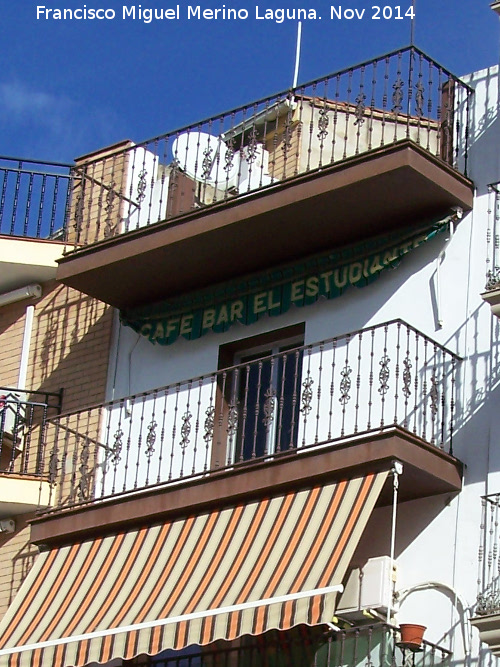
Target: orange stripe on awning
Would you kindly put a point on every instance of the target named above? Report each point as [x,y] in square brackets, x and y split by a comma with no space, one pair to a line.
[133,583]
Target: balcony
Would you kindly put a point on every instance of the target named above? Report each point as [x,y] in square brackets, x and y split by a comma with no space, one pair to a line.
[23,418]
[303,171]
[377,645]
[331,410]
[33,214]
[487,611]
[492,287]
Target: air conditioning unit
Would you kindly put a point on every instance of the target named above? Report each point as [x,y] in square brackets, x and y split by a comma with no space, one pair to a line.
[369,587]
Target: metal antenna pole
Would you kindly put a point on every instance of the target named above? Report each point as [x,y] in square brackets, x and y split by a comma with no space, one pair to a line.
[297,55]
[412,26]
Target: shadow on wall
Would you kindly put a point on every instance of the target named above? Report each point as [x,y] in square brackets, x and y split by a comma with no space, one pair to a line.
[71,347]
[11,315]
[11,326]
[477,394]
[413,518]
[484,129]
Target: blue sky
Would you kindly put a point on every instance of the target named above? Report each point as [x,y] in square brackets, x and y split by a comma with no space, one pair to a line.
[70,87]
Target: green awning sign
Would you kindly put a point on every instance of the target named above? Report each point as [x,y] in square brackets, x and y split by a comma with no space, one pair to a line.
[273,293]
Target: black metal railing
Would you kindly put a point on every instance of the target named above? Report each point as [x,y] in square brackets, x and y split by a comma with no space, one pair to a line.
[34,198]
[492,238]
[359,383]
[403,95]
[488,580]
[368,646]
[23,418]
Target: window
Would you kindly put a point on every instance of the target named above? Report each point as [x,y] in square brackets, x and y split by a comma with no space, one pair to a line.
[262,393]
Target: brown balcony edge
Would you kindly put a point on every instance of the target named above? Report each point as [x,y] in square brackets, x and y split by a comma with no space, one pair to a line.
[108,269]
[427,471]
[278,187]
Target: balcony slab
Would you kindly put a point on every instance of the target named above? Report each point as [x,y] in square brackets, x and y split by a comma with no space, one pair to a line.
[317,211]
[489,631]
[492,297]
[24,261]
[428,471]
[22,495]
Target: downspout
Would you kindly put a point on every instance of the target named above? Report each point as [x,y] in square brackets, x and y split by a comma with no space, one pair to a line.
[396,470]
[25,350]
[29,291]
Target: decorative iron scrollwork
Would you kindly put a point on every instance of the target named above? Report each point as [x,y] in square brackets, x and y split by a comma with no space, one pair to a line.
[116,450]
[384,375]
[209,424]
[287,135]
[307,395]
[232,420]
[419,99]
[229,155]
[83,489]
[251,152]
[323,122]
[397,95]
[447,123]
[208,162]
[110,202]
[53,464]
[151,439]
[488,603]
[269,406]
[141,186]
[110,198]
[434,396]
[185,429]
[492,279]
[345,385]
[79,204]
[359,111]
[407,377]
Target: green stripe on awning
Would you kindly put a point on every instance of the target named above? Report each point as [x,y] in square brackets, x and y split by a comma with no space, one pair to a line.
[273,292]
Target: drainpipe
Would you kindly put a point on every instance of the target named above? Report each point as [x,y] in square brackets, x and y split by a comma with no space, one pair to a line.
[25,350]
[396,471]
[27,292]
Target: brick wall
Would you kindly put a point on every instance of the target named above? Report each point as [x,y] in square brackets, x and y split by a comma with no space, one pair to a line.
[69,350]
[17,556]
[99,194]
[11,340]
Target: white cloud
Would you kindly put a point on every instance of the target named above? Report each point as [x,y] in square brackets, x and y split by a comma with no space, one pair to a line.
[50,126]
[17,98]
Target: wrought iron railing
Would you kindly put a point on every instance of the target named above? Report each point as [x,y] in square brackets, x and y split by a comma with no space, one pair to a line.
[403,95]
[368,646]
[358,383]
[34,198]
[488,580]
[493,238]
[23,418]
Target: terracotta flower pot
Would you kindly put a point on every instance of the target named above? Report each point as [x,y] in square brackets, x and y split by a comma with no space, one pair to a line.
[412,633]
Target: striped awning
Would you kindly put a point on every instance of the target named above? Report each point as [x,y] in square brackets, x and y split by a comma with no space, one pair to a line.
[273,563]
